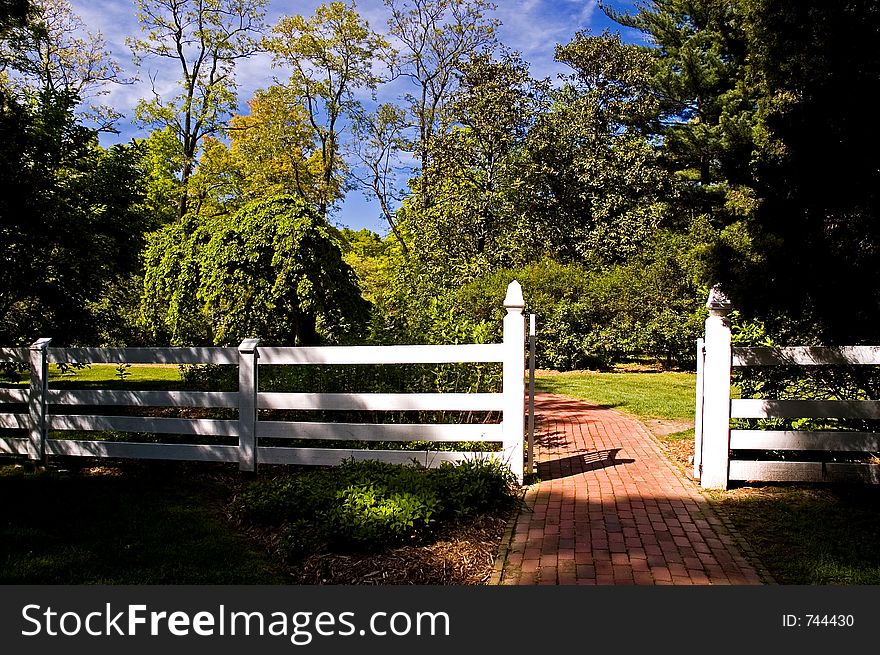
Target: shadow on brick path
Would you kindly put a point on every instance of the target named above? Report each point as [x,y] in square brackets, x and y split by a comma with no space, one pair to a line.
[610,508]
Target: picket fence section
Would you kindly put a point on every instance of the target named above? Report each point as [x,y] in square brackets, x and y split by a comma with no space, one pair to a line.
[42,409]
[715,441]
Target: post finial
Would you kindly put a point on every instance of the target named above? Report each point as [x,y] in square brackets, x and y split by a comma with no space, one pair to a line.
[514,297]
[718,303]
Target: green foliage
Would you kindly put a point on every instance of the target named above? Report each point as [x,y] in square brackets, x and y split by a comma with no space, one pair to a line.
[590,316]
[473,224]
[599,188]
[206,38]
[330,57]
[71,221]
[370,505]
[272,270]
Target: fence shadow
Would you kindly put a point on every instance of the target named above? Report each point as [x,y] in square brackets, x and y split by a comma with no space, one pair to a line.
[580,463]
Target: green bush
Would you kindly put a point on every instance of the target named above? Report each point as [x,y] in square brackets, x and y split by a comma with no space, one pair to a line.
[368,506]
[591,314]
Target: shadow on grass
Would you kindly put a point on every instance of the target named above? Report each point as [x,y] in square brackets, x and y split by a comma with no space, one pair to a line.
[810,534]
[145,525]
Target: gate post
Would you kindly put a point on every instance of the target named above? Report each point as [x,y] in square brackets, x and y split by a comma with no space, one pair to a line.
[248,384]
[530,459]
[513,421]
[715,424]
[38,363]
[698,414]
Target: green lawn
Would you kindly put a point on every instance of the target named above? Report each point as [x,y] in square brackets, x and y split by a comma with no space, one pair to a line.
[106,376]
[667,395]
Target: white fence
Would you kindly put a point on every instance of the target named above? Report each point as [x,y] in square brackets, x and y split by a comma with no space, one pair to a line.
[58,409]
[722,455]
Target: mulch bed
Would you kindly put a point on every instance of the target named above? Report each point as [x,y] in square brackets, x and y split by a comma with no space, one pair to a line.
[461,555]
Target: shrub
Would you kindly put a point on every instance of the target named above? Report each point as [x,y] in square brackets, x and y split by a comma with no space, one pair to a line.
[369,505]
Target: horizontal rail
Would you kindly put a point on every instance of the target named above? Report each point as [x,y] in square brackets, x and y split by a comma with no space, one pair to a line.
[8,395]
[180,452]
[422,354]
[13,355]
[380,432]
[14,445]
[806,356]
[742,470]
[760,408]
[15,421]
[865,442]
[383,401]
[144,398]
[200,427]
[144,355]
[334,456]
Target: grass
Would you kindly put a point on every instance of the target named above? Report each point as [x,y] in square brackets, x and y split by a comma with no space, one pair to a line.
[154,523]
[810,535]
[665,395]
[105,376]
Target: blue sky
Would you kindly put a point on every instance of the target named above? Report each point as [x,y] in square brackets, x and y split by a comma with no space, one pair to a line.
[531,27]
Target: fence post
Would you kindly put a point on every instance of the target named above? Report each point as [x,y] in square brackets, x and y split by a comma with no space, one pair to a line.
[531,446]
[716,393]
[248,383]
[698,414]
[513,421]
[38,363]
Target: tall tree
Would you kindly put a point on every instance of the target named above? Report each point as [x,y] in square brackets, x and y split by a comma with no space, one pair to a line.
[54,52]
[273,270]
[206,38]
[435,37]
[379,137]
[706,108]
[475,222]
[814,240]
[270,152]
[71,220]
[598,189]
[331,57]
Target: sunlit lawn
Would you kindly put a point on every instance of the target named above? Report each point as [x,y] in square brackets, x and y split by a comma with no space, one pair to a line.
[668,395]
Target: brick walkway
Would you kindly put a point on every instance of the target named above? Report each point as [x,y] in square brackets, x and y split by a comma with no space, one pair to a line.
[611,509]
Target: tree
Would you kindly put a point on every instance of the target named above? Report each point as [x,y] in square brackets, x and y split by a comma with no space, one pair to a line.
[378,139]
[812,246]
[331,57]
[706,110]
[54,52]
[71,220]
[598,188]
[271,270]
[270,152]
[206,38]
[475,222]
[436,36]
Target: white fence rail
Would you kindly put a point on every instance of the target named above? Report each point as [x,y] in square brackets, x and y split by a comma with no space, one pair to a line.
[39,409]
[722,455]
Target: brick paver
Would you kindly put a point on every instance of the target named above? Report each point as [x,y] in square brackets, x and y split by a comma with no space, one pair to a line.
[610,508]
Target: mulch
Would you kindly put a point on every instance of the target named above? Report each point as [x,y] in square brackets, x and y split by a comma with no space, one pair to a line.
[462,554]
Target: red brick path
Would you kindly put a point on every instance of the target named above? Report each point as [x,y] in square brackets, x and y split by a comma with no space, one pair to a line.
[611,509]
